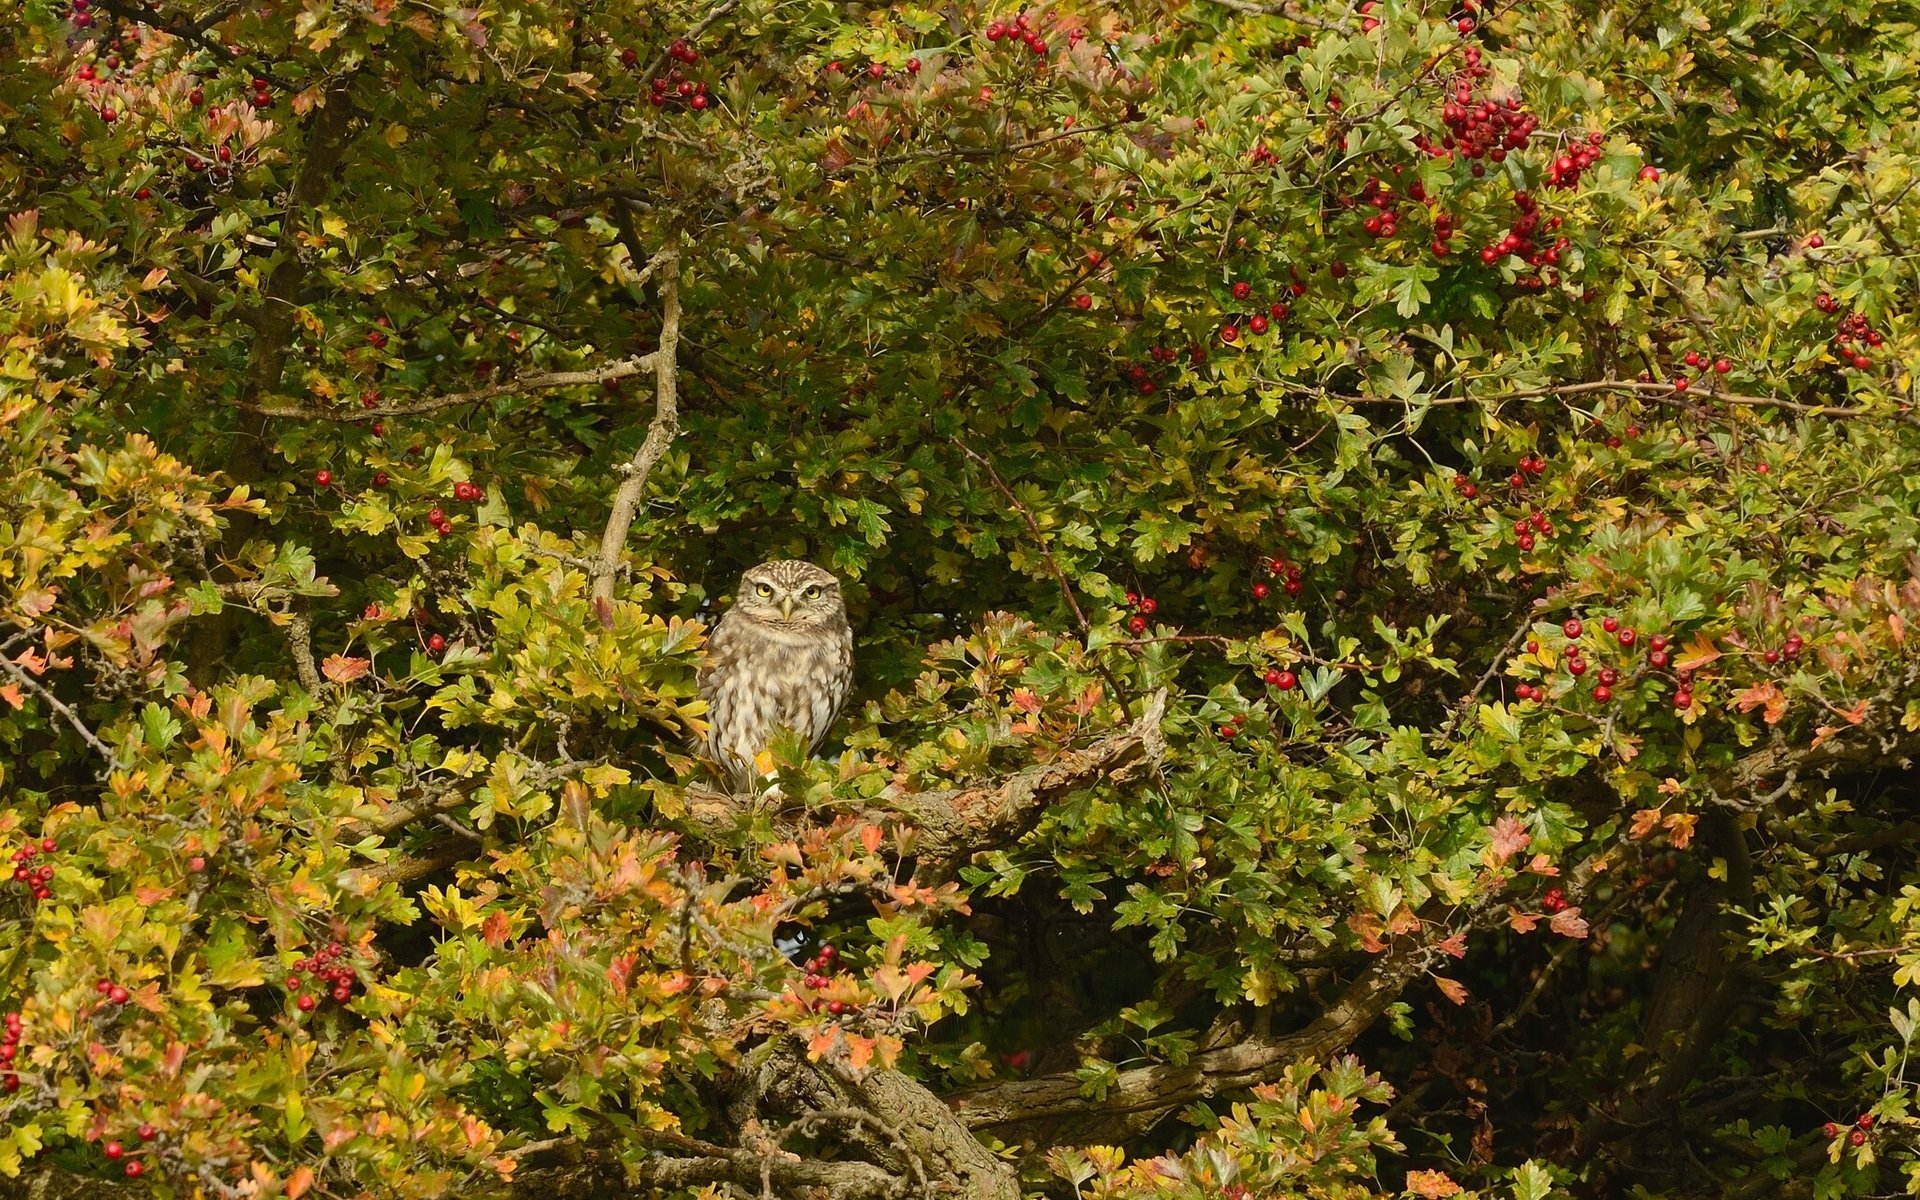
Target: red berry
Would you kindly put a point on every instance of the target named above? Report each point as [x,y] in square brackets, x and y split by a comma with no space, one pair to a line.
[1683,700]
[381,479]
[1242,290]
[1577,666]
[1680,383]
[1137,625]
[305,1003]
[147,1133]
[1831,1129]
[48,845]
[436,643]
[1866,1120]
[119,995]
[1286,681]
[1229,732]
[1627,637]
[1815,242]
[1260,591]
[1610,624]
[1229,333]
[1858,1137]
[113,1150]
[913,66]
[342,994]
[1257,323]
[133,1170]
[1602,694]
[1722,365]
[1149,605]
[323,478]
[1083,301]
[1571,628]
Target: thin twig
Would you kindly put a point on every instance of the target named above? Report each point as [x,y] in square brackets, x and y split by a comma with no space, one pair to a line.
[60,706]
[660,434]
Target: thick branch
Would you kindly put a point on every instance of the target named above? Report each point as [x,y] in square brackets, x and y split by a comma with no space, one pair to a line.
[620,369]
[956,823]
[1206,1074]
[660,434]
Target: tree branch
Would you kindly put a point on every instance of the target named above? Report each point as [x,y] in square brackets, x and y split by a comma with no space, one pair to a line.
[1243,1064]
[620,369]
[63,709]
[660,434]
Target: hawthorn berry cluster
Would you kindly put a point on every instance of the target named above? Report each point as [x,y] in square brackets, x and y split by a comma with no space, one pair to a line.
[1519,240]
[1565,170]
[1525,527]
[1020,29]
[1789,650]
[10,1039]
[1285,572]
[114,993]
[1555,900]
[1857,1136]
[819,975]
[37,880]
[335,978]
[1608,677]
[115,1151]
[1479,127]
[1256,323]
[1529,466]
[1854,338]
[1142,607]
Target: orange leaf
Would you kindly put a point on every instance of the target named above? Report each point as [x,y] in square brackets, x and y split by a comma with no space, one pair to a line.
[1452,989]
[12,695]
[1455,946]
[1432,1185]
[1568,923]
[1698,653]
[341,669]
[298,1182]
[1680,829]
[1521,922]
[1644,822]
[1768,694]
[1510,837]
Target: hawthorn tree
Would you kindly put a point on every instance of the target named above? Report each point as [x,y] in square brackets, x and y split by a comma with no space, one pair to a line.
[1378,535]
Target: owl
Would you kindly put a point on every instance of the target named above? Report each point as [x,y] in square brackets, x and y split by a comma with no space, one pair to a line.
[781,658]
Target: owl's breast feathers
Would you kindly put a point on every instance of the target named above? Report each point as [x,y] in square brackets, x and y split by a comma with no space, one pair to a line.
[759,678]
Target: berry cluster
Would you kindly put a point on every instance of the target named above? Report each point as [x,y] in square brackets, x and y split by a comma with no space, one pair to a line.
[1287,573]
[1700,362]
[1857,1136]
[1480,127]
[1854,338]
[10,1040]
[1524,529]
[819,971]
[1143,607]
[114,993]
[1789,650]
[114,1152]
[674,88]
[1256,323]
[1608,677]
[1280,680]
[335,977]
[1555,900]
[37,880]
[1468,489]
[1519,239]
[1530,465]
[1021,30]
[1565,171]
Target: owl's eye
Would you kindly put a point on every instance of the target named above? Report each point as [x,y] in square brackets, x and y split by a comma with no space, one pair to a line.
[812,593]
[763,590]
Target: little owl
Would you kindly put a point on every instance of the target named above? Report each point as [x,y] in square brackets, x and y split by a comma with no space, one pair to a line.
[781,658]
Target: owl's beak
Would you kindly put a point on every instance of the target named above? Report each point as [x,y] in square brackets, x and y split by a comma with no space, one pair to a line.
[786,608]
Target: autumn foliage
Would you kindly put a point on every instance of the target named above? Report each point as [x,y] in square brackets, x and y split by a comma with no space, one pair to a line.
[1382,540]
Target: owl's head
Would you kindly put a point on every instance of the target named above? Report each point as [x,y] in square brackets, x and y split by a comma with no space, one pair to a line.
[790,594]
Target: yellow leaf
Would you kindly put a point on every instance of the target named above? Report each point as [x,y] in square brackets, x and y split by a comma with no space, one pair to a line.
[1698,653]
[395,135]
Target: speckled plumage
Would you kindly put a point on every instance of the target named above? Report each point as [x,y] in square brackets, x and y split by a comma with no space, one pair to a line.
[781,657]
